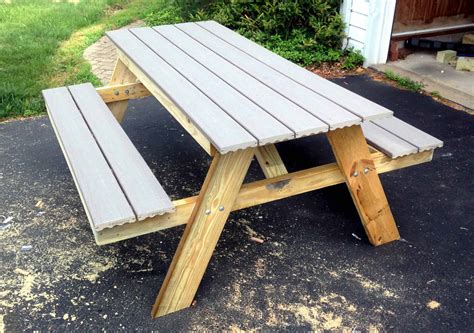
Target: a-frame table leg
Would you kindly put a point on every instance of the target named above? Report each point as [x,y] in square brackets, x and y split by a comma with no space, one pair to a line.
[120,75]
[215,201]
[353,157]
[270,161]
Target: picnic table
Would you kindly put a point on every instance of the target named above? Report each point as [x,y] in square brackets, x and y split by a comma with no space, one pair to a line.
[236,99]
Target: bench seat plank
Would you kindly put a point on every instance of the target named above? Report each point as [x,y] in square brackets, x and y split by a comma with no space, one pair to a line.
[140,186]
[102,197]
[259,123]
[418,138]
[223,131]
[321,107]
[355,103]
[386,142]
[300,121]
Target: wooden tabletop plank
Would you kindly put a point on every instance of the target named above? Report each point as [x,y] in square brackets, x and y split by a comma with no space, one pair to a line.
[297,119]
[102,197]
[386,142]
[423,141]
[327,111]
[223,131]
[140,186]
[355,103]
[259,123]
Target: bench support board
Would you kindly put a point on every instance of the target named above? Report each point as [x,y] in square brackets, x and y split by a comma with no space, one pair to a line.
[210,212]
[257,193]
[360,174]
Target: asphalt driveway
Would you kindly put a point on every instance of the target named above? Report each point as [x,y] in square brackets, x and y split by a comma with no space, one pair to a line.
[315,269]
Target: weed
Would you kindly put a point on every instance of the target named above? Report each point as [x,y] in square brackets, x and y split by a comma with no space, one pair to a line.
[404,82]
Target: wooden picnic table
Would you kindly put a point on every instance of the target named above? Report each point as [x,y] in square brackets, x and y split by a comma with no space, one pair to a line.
[236,99]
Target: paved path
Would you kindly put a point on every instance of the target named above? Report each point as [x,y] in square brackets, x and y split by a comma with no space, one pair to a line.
[103,54]
[315,270]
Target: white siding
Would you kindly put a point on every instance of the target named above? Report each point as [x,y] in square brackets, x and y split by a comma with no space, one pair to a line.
[369,27]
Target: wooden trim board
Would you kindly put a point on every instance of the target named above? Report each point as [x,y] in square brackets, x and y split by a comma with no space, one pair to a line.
[258,193]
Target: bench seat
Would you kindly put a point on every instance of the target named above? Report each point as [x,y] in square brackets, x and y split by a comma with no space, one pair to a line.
[115,183]
[396,138]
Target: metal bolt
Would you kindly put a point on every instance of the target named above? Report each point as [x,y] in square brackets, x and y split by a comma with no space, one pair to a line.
[221,208]
[366,170]
[116,92]
[355,174]
[127,92]
[208,211]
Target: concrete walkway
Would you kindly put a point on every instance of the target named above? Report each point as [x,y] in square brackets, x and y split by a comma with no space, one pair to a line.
[314,271]
[457,86]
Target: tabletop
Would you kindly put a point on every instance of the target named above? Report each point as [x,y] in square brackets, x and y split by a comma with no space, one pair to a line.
[236,92]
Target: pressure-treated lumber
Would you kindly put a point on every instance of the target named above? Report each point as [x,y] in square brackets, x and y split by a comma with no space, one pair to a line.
[258,193]
[359,171]
[203,230]
[270,161]
[120,75]
[121,92]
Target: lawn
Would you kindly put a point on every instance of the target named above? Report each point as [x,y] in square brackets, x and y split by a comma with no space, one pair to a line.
[42,42]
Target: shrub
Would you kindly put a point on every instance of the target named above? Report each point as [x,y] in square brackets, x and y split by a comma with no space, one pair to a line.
[307,32]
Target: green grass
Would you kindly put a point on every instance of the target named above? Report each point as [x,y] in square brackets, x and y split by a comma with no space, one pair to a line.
[42,43]
[404,82]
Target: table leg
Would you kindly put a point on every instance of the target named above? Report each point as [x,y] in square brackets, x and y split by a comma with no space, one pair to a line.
[120,75]
[353,157]
[270,161]
[215,201]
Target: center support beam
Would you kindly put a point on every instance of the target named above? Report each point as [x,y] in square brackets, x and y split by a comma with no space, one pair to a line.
[213,206]
[360,174]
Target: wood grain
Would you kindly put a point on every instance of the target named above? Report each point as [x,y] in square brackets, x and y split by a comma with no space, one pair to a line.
[259,192]
[203,230]
[120,92]
[120,75]
[270,161]
[359,171]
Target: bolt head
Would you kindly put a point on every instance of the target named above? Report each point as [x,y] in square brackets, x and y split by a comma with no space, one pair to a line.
[116,92]
[355,174]
[208,211]
[221,208]
[366,170]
